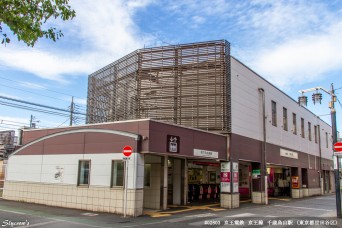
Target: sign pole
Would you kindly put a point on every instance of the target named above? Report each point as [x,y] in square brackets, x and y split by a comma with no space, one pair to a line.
[126,178]
[127,151]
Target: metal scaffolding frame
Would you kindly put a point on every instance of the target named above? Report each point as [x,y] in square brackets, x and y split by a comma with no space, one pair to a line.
[187,84]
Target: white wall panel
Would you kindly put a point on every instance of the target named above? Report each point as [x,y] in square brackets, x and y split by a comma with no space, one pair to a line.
[24,168]
[43,168]
[67,164]
[247,113]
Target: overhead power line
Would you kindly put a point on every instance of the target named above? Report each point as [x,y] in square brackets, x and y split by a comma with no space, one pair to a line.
[12,122]
[42,88]
[40,105]
[33,109]
[7,86]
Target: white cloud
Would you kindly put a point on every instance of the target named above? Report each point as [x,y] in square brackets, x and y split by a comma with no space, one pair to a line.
[304,59]
[81,101]
[103,31]
[31,85]
[8,95]
[197,20]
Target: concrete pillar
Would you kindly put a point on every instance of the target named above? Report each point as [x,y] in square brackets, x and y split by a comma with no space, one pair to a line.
[177,181]
[185,175]
[164,185]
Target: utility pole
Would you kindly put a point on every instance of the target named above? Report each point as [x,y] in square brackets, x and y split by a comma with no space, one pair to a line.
[71,111]
[334,135]
[31,121]
[317,97]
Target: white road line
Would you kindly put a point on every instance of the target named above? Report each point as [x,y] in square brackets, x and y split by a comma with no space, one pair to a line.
[326,198]
[146,224]
[202,215]
[67,221]
[42,223]
[241,215]
[15,212]
[307,208]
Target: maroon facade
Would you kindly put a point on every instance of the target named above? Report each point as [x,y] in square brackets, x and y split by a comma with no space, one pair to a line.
[152,139]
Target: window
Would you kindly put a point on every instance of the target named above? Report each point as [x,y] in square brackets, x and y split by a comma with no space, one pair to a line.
[326,139]
[294,123]
[315,129]
[83,172]
[274,113]
[309,129]
[147,175]
[285,119]
[118,173]
[302,127]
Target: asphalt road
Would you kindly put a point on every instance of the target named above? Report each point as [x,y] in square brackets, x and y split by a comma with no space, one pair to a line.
[309,212]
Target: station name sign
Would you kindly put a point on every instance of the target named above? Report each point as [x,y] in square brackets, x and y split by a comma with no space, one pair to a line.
[173,143]
[205,153]
[288,154]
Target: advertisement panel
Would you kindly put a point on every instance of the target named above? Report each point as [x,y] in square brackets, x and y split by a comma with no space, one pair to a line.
[225,177]
[235,177]
[295,182]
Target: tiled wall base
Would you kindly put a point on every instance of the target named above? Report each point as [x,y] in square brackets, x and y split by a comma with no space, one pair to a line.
[314,191]
[228,200]
[258,197]
[297,193]
[305,192]
[102,199]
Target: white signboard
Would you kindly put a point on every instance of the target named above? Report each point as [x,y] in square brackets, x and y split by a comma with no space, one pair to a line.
[235,177]
[59,173]
[288,154]
[205,153]
[225,177]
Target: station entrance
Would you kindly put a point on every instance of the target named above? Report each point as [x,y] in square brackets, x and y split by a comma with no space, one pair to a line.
[203,182]
[279,181]
[176,181]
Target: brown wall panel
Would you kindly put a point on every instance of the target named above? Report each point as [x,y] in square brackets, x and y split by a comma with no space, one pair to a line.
[63,149]
[189,139]
[32,150]
[245,148]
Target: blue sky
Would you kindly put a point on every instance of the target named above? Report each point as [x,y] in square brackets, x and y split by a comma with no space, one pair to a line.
[294,44]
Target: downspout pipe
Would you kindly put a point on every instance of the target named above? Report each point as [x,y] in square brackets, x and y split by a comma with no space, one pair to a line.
[320,158]
[263,157]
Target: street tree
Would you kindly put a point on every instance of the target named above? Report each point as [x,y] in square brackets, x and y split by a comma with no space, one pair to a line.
[25,18]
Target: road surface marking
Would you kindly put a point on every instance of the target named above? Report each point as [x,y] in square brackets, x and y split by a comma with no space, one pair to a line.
[308,208]
[15,212]
[201,215]
[146,224]
[89,214]
[42,223]
[67,221]
[241,215]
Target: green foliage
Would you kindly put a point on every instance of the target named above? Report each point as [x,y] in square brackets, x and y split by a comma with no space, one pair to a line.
[26,17]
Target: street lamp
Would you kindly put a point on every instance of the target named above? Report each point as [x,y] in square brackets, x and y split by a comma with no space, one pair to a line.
[317,98]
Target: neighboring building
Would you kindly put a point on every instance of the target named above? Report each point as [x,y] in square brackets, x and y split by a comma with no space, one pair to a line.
[218,110]
[8,143]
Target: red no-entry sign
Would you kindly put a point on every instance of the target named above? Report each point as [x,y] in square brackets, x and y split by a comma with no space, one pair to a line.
[127,151]
[338,146]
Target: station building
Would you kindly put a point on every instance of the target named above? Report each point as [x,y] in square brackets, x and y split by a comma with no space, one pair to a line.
[203,127]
